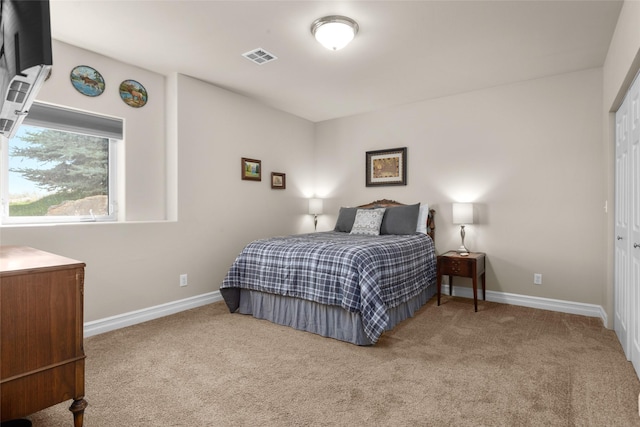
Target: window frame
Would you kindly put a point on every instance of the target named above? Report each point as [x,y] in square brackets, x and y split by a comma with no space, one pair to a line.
[113,148]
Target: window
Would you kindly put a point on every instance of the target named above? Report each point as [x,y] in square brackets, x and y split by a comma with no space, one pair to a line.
[60,167]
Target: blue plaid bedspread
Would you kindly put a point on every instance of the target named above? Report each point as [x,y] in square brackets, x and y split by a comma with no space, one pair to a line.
[362,274]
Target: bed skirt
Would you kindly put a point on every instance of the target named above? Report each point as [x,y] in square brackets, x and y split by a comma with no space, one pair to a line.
[326,320]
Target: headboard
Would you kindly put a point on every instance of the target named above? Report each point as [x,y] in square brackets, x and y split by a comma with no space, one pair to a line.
[386,203]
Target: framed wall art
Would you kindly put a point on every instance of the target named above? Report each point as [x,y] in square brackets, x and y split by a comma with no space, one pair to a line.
[87,80]
[386,167]
[278,181]
[133,93]
[251,169]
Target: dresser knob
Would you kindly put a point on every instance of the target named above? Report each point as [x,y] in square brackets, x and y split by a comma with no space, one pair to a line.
[635,245]
[619,238]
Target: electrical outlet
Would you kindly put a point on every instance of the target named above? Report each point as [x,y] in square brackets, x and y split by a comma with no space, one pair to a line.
[183,280]
[537,279]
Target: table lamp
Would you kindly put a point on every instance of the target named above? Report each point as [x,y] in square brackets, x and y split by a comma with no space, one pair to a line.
[463,215]
[315,209]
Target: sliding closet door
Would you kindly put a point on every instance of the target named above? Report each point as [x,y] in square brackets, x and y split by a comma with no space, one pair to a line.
[621,288]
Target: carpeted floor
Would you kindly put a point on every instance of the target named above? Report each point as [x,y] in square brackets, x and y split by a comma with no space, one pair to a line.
[447,366]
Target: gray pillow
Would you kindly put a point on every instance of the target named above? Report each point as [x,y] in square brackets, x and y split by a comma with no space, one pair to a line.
[400,219]
[346,217]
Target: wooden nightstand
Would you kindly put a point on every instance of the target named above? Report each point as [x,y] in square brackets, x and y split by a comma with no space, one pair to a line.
[454,264]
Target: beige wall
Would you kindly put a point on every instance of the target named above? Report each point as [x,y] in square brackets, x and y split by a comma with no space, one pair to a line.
[619,70]
[136,264]
[145,195]
[528,155]
[533,156]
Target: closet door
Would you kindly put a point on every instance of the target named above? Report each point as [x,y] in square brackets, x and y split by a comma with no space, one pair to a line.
[621,279]
[627,226]
[634,224]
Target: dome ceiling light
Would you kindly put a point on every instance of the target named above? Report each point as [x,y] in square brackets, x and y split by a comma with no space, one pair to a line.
[334,32]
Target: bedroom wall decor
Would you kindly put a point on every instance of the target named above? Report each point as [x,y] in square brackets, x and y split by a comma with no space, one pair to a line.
[133,93]
[386,167]
[251,169]
[87,80]
[278,181]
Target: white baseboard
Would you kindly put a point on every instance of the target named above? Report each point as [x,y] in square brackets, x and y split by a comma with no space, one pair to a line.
[590,310]
[139,316]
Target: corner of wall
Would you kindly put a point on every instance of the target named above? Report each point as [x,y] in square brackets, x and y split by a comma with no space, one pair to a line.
[172,146]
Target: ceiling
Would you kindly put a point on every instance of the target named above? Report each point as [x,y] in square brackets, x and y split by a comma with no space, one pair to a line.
[405,51]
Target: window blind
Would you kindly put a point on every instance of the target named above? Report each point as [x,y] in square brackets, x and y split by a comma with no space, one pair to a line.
[65,119]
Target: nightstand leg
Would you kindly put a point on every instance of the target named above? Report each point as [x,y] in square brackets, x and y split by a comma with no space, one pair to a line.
[450,285]
[438,285]
[484,289]
[474,271]
[475,293]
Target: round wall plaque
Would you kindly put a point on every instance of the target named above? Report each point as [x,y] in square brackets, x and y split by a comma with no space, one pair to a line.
[133,93]
[87,80]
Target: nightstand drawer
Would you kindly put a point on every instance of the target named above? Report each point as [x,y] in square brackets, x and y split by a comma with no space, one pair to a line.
[457,267]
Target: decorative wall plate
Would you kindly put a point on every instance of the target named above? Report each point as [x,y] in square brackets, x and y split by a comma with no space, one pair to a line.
[87,80]
[133,93]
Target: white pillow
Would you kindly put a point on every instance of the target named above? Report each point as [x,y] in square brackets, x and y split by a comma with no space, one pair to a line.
[422,218]
[368,221]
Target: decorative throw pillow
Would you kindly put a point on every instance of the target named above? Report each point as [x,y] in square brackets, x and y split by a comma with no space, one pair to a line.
[368,221]
[346,217]
[400,220]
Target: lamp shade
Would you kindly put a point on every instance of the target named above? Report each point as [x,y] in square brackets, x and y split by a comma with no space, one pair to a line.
[334,32]
[463,213]
[315,206]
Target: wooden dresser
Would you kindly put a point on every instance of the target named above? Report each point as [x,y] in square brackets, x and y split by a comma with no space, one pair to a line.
[41,332]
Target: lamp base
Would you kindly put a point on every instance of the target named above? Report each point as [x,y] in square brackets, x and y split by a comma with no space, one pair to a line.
[462,249]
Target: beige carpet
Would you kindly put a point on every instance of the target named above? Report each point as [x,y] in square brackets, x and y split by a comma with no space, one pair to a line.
[448,366]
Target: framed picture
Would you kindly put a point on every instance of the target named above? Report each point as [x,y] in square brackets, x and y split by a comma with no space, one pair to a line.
[251,169]
[278,180]
[387,167]
[87,80]
[133,93]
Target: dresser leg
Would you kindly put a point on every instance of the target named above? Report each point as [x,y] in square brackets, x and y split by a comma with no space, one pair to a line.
[77,407]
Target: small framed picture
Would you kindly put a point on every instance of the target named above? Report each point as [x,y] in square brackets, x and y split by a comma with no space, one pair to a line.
[251,169]
[278,181]
[386,167]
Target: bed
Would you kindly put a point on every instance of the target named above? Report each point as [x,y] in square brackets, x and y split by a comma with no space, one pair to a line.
[374,270]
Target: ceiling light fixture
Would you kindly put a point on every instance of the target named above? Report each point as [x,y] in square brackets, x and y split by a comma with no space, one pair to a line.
[334,32]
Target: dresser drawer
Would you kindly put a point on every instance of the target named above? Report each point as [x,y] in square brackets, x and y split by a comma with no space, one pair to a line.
[455,266]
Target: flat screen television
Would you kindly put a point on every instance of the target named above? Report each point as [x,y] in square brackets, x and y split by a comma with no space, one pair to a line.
[26,58]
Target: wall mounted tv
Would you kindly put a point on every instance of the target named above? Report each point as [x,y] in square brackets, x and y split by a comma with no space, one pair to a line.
[25,58]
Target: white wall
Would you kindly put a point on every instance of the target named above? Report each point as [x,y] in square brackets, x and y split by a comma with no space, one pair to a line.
[135,265]
[528,155]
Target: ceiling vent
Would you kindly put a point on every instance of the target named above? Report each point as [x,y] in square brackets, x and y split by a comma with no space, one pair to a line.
[260,56]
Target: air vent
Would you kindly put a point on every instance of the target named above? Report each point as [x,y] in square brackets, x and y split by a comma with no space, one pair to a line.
[5,126]
[260,56]
[18,91]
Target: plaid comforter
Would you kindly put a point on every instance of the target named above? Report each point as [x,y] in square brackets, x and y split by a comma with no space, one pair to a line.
[362,274]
